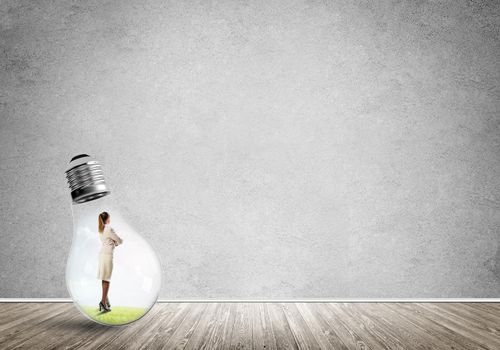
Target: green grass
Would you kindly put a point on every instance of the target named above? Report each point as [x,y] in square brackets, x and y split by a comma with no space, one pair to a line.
[117,316]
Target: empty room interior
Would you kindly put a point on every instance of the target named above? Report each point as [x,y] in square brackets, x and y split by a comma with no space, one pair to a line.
[226,174]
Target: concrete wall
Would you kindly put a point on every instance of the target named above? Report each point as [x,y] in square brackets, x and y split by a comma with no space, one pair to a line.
[268,149]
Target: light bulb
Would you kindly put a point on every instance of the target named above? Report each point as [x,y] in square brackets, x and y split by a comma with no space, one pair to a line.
[135,277]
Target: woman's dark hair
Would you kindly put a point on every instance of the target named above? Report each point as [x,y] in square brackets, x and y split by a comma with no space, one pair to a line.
[103,217]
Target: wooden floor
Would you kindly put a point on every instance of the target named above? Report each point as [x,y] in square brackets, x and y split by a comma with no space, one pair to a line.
[259,326]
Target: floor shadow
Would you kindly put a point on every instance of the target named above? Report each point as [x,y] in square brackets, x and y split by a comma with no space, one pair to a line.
[81,324]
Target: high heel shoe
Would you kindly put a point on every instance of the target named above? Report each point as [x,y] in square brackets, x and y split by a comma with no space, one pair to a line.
[103,307]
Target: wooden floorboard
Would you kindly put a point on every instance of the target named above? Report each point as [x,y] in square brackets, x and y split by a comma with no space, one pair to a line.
[344,326]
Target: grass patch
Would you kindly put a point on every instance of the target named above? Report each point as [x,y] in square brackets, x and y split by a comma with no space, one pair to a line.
[117,316]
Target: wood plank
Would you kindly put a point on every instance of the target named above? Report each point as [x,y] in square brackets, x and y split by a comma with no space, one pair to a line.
[222,327]
[487,308]
[455,323]
[458,326]
[263,336]
[20,314]
[12,311]
[137,334]
[165,326]
[186,328]
[363,328]
[419,319]
[326,337]
[52,336]
[202,332]
[483,320]
[410,335]
[241,337]
[300,330]
[281,329]
[37,324]
[347,335]
[381,334]
[493,317]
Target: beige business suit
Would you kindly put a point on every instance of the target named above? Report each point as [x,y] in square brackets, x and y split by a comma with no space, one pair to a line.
[109,240]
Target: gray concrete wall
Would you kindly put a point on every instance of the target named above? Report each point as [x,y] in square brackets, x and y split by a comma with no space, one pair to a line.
[268,149]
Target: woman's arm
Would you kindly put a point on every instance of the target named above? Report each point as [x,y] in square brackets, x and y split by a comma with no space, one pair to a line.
[115,237]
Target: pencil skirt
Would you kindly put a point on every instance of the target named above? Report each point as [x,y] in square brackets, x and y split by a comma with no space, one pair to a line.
[105,267]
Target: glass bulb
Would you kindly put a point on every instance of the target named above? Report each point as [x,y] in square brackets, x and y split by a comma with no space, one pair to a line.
[135,277]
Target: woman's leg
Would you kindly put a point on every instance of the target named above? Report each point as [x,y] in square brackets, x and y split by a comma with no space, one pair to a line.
[105,289]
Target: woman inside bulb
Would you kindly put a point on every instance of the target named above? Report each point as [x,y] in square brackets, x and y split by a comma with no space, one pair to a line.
[109,240]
